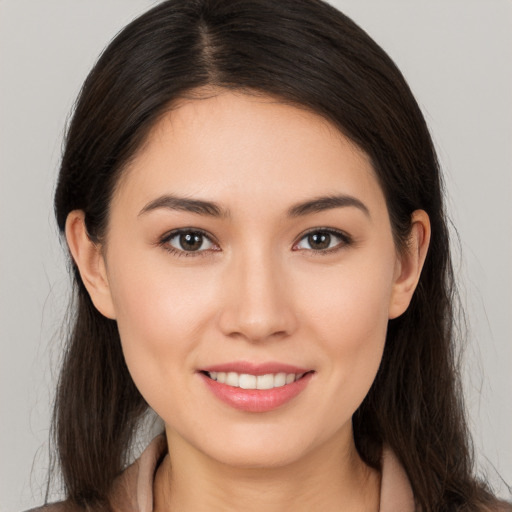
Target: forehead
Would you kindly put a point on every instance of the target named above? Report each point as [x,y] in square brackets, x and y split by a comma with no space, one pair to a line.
[239,148]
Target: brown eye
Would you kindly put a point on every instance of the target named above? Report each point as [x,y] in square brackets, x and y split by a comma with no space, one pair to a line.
[322,240]
[189,241]
[319,241]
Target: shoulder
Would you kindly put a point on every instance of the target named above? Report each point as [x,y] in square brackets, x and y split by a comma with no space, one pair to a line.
[132,490]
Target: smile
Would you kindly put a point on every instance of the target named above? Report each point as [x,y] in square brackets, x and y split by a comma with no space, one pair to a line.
[248,381]
[255,388]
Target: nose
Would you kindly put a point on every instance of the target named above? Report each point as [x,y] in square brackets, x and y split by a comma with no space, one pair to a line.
[257,304]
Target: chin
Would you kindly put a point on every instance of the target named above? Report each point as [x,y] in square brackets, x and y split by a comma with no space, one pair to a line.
[264,447]
[258,455]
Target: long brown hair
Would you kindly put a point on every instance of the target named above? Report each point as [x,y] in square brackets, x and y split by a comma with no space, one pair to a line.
[307,53]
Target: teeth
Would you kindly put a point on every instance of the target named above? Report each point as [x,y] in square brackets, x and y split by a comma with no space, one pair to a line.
[248,381]
[266,381]
[279,380]
[233,379]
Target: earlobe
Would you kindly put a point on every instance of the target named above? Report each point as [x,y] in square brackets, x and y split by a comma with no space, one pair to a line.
[89,259]
[410,264]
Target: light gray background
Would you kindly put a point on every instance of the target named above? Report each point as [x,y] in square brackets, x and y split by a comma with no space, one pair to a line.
[457,57]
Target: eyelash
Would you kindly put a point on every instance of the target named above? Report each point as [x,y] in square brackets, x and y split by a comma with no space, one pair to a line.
[346,240]
[164,242]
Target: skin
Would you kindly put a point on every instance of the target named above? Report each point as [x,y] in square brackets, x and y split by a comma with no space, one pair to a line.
[255,291]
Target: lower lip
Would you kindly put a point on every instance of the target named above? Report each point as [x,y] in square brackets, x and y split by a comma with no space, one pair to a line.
[256,400]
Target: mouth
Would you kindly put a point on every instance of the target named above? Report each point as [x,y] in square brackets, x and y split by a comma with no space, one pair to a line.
[250,381]
[254,388]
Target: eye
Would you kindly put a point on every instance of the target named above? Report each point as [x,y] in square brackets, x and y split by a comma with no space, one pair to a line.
[324,240]
[188,241]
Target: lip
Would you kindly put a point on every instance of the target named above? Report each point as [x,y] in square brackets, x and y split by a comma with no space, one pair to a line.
[255,368]
[256,400]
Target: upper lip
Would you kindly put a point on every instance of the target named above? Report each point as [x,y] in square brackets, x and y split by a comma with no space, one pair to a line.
[255,368]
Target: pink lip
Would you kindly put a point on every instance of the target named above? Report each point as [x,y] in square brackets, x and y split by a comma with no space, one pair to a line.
[255,369]
[256,400]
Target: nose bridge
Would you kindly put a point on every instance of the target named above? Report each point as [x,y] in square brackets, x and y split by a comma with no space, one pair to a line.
[257,305]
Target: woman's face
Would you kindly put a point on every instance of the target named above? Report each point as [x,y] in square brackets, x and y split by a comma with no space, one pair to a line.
[250,237]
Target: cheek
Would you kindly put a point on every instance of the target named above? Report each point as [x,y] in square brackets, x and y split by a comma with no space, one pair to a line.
[350,321]
[351,301]
[161,316]
[153,298]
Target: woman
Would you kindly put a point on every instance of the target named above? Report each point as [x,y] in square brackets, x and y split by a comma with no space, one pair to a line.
[253,207]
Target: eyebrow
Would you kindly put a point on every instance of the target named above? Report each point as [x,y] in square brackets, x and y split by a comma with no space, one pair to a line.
[211,209]
[320,204]
[185,204]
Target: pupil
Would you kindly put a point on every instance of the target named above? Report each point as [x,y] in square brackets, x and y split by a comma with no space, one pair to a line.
[191,241]
[319,240]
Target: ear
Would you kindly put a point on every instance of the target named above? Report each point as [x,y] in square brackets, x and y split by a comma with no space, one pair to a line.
[89,259]
[410,264]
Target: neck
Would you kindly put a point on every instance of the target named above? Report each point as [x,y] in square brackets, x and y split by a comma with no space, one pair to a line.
[333,478]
